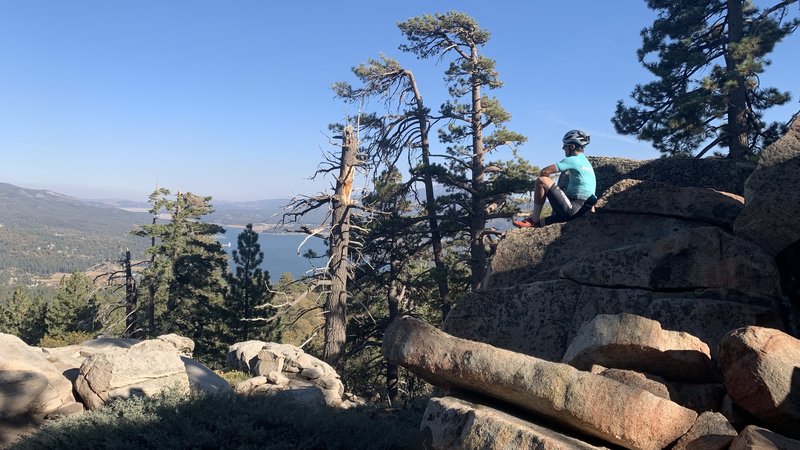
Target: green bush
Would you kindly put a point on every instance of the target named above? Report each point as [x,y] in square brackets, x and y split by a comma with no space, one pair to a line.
[68,338]
[233,377]
[226,422]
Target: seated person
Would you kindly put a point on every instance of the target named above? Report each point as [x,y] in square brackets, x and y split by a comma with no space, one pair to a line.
[578,196]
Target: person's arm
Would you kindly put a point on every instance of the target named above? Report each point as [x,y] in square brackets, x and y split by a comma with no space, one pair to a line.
[549,170]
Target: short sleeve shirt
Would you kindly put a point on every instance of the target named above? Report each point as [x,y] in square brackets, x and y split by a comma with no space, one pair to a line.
[582,182]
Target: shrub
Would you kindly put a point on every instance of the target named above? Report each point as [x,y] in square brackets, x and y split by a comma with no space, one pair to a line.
[68,338]
[226,421]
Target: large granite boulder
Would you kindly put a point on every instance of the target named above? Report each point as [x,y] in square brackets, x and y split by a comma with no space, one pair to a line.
[283,367]
[772,196]
[664,199]
[541,319]
[761,368]
[452,423]
[689,259]
[627,341]
[69,358]
[32,384]
[123,373]
[582,401]
[724,175]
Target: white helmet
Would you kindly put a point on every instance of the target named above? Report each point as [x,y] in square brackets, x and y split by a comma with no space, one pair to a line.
[576,137]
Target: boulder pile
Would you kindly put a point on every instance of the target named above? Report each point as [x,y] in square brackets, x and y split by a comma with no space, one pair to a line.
[666,319]
[286,370]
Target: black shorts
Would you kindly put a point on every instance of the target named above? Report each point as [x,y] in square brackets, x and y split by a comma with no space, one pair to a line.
[564,209]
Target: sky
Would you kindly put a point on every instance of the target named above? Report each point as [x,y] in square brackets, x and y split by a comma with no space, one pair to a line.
[108,99]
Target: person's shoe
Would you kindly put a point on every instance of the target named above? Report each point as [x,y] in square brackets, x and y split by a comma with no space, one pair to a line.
[526,223]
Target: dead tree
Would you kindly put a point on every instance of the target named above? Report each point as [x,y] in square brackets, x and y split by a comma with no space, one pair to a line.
[337,270]
[336,305]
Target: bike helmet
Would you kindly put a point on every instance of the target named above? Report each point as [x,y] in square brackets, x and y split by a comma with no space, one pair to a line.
[576,137]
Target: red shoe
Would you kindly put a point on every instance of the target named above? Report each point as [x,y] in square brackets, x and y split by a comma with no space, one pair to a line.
[526,223]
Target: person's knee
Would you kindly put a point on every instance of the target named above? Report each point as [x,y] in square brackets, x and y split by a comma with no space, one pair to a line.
[546,182]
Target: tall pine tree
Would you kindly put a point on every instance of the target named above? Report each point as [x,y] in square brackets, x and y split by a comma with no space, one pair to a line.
[479,188]
[707,56]
[249,291]
[186,275]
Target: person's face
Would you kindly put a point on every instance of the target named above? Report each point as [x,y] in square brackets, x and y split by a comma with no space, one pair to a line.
[568,149]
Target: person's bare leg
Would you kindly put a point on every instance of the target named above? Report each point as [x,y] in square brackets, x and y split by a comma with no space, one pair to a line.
[543,185]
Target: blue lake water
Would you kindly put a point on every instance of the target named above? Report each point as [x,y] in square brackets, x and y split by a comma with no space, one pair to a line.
[280,252]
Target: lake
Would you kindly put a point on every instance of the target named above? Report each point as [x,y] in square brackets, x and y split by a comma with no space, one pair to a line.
[280,252]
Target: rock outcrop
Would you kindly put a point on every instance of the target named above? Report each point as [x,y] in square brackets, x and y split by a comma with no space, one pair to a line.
[772,192]
[589,403]
[279,368]
[673,259]
[723,175]
[664,199]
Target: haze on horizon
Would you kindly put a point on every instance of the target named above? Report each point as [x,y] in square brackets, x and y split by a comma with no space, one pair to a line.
[109,99]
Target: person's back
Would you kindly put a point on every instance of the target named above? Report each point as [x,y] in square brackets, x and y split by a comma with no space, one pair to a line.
[582,182]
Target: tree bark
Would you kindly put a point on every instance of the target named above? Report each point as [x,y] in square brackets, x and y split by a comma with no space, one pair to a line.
[394,312]
[477,213]
[336,304]
[430,203]
[738,146]
[131,324]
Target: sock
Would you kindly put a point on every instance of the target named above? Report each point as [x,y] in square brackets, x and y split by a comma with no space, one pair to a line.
[537,211]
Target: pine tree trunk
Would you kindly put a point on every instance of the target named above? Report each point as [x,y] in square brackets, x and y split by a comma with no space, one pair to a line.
[430,202]
[131,324]
[335,306]
[394,311]
[737,101]
[477,212]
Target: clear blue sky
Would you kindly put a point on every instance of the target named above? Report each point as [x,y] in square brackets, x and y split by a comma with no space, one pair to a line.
[232,99]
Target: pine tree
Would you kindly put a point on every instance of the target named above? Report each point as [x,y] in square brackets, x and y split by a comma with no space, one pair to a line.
[480,189]
[249,291]
[186,275]
[73,309]
[23,316]
[707,56]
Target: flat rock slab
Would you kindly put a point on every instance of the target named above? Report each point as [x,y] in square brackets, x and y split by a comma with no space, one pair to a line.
[451,423]
[721,174]
[627,341]
[756,438]
[583,401]
[688,259]
[772,195]
[761,368]
[664,199]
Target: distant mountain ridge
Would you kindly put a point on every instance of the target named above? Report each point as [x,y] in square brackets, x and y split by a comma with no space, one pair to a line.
[43,232]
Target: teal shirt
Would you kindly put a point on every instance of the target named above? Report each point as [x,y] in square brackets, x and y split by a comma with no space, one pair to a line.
[582,182]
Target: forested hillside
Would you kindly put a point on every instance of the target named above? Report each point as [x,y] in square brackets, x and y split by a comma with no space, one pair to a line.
[42,232]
